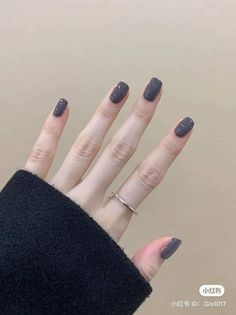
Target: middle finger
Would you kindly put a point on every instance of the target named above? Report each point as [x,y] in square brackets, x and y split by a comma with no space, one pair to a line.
[90,139]
[120,148]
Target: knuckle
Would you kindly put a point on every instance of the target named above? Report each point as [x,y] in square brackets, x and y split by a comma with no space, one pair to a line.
[172,148]
[142,114]
[40,153]
[121,150]
[105,112]
[50,129]
[85,147]
[149,176]
[148,270]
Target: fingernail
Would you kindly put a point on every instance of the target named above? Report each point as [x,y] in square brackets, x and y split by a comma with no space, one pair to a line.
[184,127]
[60,107]
[170,248]
[119,92]
[152,89]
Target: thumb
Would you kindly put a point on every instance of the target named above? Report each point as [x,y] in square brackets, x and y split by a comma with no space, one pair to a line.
[149,258]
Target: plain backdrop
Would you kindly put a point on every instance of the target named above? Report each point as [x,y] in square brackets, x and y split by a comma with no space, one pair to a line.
[78,50]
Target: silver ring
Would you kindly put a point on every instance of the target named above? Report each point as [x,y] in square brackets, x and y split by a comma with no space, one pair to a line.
[117,195]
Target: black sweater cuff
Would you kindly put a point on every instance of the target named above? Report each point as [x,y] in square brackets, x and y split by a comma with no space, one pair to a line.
[56,259]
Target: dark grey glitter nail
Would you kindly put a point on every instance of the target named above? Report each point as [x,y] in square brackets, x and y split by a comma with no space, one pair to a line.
[170,248]
[184,127]
[60,107]
[119,92]
[152,89]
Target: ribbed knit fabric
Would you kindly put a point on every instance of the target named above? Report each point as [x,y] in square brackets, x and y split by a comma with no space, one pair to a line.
[56,259]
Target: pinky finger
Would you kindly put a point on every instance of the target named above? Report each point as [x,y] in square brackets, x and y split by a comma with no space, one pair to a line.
[149,259]
[44,149]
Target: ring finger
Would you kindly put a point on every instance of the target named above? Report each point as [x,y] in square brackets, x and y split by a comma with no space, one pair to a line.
[146,176]
[119,149]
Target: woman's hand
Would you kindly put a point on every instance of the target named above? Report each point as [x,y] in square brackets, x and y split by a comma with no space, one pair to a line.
[90,191]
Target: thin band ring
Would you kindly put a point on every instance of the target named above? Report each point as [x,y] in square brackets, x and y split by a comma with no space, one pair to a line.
[117,195]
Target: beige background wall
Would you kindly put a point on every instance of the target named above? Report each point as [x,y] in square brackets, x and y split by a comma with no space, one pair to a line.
[77,50]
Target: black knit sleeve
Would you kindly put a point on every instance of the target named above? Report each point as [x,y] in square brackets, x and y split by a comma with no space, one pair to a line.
[56,259]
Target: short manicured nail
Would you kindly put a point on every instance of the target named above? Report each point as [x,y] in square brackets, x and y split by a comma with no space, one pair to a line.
[119,92]
[152,89]
[184,127]
[60,107]
[171,247]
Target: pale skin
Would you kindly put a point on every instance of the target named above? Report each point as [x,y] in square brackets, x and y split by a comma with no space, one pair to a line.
[91,192]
